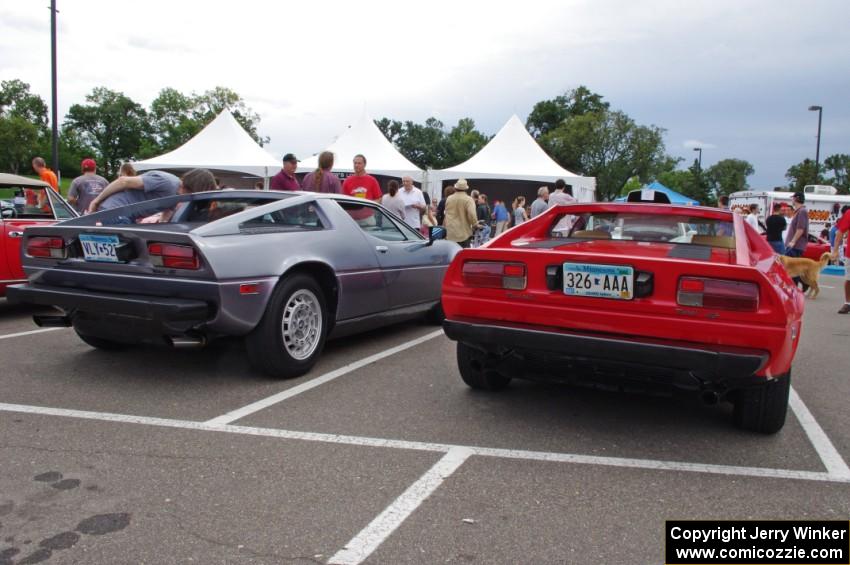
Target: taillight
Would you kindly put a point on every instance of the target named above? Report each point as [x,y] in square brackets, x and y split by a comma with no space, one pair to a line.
[53,247]
[493,274]
[173,256]
[717,293]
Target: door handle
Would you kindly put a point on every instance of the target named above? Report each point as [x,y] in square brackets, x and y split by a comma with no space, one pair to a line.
[382,248]
[16,234]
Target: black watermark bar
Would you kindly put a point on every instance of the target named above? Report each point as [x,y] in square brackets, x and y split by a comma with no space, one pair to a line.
[755,542]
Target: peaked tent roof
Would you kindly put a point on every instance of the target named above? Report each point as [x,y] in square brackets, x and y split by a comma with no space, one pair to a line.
[222,145]
[364,137]
[514,155]
[675,197]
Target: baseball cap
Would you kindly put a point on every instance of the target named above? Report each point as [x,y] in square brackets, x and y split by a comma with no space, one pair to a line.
[290,157]
[88,165]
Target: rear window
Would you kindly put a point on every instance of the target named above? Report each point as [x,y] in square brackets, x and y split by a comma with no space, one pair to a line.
[645,227]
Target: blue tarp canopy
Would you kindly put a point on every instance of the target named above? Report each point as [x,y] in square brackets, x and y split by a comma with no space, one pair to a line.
[675,197]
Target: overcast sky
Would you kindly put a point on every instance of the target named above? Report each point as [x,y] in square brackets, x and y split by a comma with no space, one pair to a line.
[734,76]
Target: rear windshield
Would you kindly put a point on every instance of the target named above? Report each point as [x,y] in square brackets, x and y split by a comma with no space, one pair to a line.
[645,227]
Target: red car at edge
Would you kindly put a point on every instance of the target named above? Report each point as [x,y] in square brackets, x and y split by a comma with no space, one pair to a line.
[636,296]
[24,202]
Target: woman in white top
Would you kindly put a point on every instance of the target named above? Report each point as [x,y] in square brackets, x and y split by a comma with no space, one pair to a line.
[393,201]
[520,215]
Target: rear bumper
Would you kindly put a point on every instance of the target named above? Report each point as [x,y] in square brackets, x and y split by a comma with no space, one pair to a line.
[555,354]
[139,306]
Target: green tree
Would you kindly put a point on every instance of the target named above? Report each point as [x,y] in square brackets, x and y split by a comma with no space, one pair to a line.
[172,121]
[212,102]
[728,176]
[112,124]
[839,166]
[608,145]
[429,145]
[801,174]
[23,125]
[549,114]
[464,142]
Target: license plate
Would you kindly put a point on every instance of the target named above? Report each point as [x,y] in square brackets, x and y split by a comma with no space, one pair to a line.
[101,248]
[599,281]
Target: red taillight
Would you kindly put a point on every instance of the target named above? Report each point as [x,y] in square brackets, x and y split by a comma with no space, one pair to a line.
[53,247]
[717,293]
[493,274]
[173,256]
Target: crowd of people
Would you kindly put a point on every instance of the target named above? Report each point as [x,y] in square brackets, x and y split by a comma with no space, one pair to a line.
[471,221]
[786,230]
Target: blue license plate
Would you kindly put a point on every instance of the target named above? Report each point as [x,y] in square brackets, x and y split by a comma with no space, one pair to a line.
[100,248]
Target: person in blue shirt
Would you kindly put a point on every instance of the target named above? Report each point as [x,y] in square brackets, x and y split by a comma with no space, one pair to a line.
[500,214]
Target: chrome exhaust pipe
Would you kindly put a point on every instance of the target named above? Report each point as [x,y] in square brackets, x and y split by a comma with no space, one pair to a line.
[710,397]
[48,321]
[186,341]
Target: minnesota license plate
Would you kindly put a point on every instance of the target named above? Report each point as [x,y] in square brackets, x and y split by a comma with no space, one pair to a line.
[599,281]
[101,248]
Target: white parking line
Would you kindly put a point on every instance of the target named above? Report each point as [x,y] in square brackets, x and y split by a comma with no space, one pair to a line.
[832,460]
[652,464]
[31,332]
[234,415]
[372,536]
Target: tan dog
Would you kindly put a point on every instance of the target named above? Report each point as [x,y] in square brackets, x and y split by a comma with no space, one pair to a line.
[806,269]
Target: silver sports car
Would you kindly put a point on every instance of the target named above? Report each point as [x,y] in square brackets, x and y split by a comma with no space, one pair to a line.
[287,270]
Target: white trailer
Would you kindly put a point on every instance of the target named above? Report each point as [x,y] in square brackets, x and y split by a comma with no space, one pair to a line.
[823,208]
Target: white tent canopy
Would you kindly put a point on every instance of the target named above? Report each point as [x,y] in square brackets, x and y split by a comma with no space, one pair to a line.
[223,145]
[514,155]
[364,138]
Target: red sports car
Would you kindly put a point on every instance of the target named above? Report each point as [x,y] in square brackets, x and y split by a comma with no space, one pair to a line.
[633,296]
[24,202]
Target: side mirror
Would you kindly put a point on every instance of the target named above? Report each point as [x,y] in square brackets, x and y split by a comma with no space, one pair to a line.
[7,212]
[435,233]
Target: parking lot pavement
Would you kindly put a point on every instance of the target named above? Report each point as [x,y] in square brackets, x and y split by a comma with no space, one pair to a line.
[382,455]
[403,397]
[501,511]
[57,369]
[822,365]
[178,496]
[15,318]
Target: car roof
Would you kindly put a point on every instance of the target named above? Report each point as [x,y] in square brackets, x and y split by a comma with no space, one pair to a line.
[8,180]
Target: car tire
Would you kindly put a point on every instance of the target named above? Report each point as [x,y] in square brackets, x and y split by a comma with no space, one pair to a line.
[762,409]
[470,363]
[289,338]
[102,343]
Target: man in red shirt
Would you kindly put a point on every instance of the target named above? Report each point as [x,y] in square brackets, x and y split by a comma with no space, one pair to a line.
[843,226]
[285,179]
[44,173]
[361,185]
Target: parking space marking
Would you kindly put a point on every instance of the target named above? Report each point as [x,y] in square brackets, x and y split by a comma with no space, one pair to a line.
[372,536]
[552,457]
[313,383]
[832,460]
[31,332]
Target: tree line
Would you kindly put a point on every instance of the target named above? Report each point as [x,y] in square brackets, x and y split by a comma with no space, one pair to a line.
[578,129]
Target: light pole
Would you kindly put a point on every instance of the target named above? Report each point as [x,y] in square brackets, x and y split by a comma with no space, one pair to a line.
[699,161]
[819,110]
[55,112]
